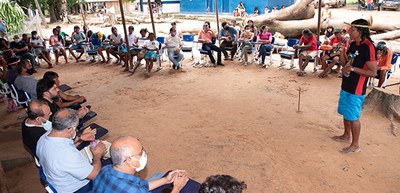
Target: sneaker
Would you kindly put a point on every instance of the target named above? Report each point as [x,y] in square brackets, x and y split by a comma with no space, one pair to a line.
[220,64]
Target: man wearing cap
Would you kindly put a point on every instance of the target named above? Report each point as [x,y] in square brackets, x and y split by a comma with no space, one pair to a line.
[359,63]
[336,42]
[99,37]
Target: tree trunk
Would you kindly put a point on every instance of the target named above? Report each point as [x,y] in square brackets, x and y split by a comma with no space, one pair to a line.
[40,13]
[387,36]
[303,9]
[386,103]
[53,17]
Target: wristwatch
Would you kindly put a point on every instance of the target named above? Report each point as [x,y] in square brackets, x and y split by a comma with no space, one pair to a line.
[352,69]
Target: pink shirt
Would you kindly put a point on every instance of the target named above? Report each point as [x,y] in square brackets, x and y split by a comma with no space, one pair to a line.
[265,37]
[206,36]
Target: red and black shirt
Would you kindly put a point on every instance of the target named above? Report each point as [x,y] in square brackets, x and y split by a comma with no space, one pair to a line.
[365,52]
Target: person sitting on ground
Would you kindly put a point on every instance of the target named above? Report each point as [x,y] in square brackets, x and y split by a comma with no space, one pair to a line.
[274,9]
[100,38]
[129,157]
[247,37]
[77,39]
[205,37]
[39,48]
[228,35]
[326,15]
[64,100]
[265,38]
[65,168]
[48,91]
[174,48]
[384,61]
[241,9]
[152,52]
[308,45]
[21,51]
[178,32]
[115,43]
[255,12]
[25,81]
[329,32]
[266,9]
[57,42]
[222,183]
[337,42]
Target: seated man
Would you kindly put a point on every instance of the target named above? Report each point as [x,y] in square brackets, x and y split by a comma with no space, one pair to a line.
[47,91]
[99,37]
[64,100]
[25,81]
[308,45]
[174,48]
[384,61]
[132,48]
[65,168]
[228,35]
[222,183]
[77,38]
[11,71]
[115,43]
[337,41]
[39,48]
[21,51]
[205,37]
[129,157]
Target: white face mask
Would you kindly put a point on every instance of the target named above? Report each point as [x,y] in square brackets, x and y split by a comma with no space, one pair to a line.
[16,40]
[73,137]
[247,30]
[47,125]
[142,162]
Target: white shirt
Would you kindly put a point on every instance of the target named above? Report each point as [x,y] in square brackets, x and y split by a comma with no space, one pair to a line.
[173,41]
[63,165]
[151,45]
[132,39]
[38,41]
[116,39]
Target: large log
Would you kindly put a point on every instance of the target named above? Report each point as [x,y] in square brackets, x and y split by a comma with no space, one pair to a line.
[387,36]
[386,103]
[300,10]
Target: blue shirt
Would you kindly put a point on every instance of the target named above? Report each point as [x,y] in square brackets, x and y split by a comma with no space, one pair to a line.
[232,32]
[111,180]
[3,26]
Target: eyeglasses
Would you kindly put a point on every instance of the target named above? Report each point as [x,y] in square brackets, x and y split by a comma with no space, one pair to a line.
[140,154]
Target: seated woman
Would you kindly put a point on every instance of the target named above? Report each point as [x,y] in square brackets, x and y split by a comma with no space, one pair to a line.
[152,47]
[247,37]
[265,37]
[255,12]
[384,61]
[39,48]
[64,100]
[114,48]
[308,45]
[241,9]
[57,42]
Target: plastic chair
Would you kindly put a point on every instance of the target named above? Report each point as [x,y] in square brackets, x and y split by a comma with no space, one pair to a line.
[22,99]
[203,53]
[5,88]
[47,186]
[188,44]
[389,73]
[291,55]
[269,54]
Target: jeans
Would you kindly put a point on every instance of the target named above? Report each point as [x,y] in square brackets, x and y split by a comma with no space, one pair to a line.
[370,7]
[244,52]
[208,48]
[379,6]
[175,58]
[264,48]
[228,44]
[28,56]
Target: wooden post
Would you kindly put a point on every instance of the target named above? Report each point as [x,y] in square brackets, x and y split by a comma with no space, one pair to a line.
[216,12]
[151,17]
[126,36]
[299,101]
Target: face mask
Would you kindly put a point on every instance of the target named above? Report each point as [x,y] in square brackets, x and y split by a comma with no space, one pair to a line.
[173,33]
[16,41]
[47,125]
[30,71]
[74,135]
[142,162]
[35,36]
[247,30]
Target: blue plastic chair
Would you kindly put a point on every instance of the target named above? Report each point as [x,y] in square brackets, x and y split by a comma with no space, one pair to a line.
[390,72]
[291,55]
[188,43]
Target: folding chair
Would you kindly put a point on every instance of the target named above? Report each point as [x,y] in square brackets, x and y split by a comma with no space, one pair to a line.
[188,44]
[290,53]
[22,98]
[202,62]
[5,89]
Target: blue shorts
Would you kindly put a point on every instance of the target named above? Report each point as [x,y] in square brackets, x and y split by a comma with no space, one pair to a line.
[151,54]
[350,105]
[77,47]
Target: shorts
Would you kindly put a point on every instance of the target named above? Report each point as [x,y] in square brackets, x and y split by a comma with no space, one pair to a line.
[77,47]
[151,54]
[312,53]
[57,48]
[350,105]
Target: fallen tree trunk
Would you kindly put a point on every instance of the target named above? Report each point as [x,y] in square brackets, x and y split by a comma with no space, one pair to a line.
[386,103]
[303,9]
[387,36]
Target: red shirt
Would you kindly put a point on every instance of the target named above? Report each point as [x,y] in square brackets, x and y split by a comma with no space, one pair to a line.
[312,40]
[336,41]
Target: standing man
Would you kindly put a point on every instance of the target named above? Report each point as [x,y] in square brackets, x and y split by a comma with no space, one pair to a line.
[228,35]
[359,63]
[205,37]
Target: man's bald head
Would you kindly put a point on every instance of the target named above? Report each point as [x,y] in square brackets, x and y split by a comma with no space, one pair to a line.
[65,119]
[124,147]
[35,109]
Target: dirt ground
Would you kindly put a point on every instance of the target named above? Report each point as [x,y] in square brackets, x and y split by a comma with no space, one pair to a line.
[237,120]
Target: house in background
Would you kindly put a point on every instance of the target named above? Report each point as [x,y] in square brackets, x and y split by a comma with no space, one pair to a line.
[228,6]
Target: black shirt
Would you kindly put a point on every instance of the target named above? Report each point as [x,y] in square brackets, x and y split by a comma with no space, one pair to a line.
[53,108]
[31,135]
[19,45]
[355,83]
